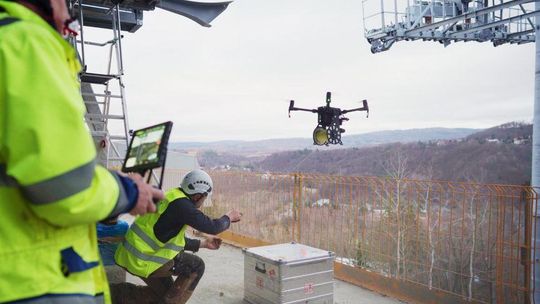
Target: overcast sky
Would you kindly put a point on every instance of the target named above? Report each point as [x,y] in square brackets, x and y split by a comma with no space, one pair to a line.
[234,80]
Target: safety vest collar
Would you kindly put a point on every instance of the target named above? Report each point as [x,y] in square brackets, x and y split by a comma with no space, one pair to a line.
[18,11]
[184,194]
[174,194]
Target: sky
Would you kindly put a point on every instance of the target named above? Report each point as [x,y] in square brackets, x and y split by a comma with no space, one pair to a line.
[233,81]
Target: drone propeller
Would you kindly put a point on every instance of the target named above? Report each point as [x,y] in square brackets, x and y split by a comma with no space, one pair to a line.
[364,108]
[291,107]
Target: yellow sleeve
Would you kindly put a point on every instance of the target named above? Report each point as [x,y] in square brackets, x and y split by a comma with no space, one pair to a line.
[47,149]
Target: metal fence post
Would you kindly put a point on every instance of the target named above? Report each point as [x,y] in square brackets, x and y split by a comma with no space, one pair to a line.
[297,198]
[299,208]
[293,207]
[526,249]
[499,272]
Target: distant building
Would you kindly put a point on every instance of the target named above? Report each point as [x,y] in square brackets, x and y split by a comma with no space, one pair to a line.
[222,167]
[442,142]
[521,141]
[518,141]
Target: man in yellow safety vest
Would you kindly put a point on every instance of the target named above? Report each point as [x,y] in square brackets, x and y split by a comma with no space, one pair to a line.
[155,244]
[52,192]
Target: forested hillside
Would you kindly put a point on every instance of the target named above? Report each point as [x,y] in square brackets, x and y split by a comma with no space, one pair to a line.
[456,161]
[496,155]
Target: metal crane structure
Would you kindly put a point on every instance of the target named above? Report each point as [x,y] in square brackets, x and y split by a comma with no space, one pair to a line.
[103,90]
[448,21]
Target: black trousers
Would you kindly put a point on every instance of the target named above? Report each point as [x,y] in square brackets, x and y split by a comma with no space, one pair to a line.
[160,281]
[182,265]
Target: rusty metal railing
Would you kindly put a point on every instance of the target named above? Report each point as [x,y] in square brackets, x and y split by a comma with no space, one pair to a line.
[468,241]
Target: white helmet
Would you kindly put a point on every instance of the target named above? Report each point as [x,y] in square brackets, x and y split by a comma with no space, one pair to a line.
[197,181]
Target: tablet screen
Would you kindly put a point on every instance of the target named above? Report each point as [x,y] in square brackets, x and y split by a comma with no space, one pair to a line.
[147,148]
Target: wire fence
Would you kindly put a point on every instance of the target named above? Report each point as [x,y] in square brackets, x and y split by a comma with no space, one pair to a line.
[469,240]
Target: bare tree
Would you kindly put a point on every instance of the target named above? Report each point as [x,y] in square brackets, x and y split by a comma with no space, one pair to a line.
[473,217]
[396,168]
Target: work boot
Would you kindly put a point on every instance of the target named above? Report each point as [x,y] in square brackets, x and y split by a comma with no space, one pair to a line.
[179,293]
[128,293]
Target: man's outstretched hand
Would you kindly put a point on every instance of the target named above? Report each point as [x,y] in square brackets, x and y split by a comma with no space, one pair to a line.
[211,242]
[234,216]
[147,196]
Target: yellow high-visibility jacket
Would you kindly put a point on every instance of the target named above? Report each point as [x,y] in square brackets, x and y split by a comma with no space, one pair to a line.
[142,253]
[51,190]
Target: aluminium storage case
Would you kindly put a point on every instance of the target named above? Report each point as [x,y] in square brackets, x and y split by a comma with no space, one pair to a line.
[288,273]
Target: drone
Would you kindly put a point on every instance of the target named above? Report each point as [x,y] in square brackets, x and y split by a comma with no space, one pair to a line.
[328,130]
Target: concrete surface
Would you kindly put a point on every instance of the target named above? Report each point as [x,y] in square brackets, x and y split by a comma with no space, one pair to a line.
[223,282]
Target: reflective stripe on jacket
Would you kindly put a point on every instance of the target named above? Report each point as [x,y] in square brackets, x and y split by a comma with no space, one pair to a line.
[142,253]
[51,190]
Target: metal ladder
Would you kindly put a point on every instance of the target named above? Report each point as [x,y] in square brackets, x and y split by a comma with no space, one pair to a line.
[104,93]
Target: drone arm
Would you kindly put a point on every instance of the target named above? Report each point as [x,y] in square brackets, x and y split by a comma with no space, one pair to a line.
[293,108]
[364,108]
[306,110]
